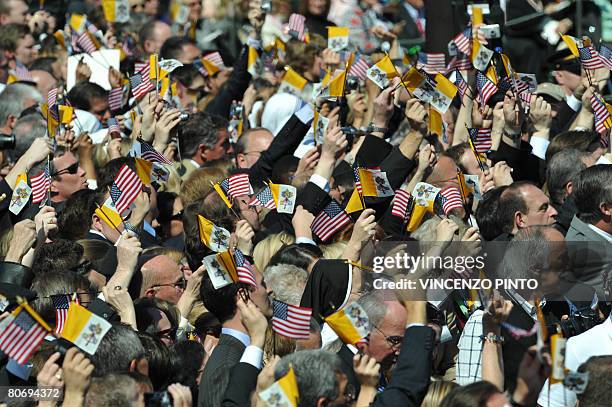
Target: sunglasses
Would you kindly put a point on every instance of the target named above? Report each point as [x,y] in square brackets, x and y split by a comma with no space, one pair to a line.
[72,169]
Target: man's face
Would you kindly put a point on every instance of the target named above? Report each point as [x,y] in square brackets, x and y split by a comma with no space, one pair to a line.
[539,209]
[189,96]
[386,339]
[216,81]
[99,108]
[25,52]
[249,213]
[18,13]
[44,81]
[170,281]
[220,148]
[569,81]
[161,33]
[68,177]
[257,142]
[259,294]
[195,9]
[190,53]
[468,160]
[150,7]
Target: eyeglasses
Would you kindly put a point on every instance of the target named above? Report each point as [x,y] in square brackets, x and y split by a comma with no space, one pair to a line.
[167,333]
[71,169]
[394,340]
[179,285]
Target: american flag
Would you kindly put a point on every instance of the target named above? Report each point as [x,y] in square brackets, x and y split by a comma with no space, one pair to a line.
[142,67]
[505,84]
[451,199]
[296,26]
[125,188]
[237,185]
[148,153]
[291,321]
[485,87]
[357,180]
[462,63]
[526,98]
[40,185]
[605,54]
[463,40]
[589,58]
[115,99]
[113,126]
[244,268]
[263,198]
[400,204]
[215,59]
[20,335]
[61,303]
[198,64]
[481,138]
[331,219]
[85,43]
[431,63]
[460,83]
[23,74]
[139,86]
[52,103]
[360,68]
[603,120]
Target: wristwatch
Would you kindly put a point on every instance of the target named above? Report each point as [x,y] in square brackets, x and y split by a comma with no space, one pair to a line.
[490,337]
[374,129]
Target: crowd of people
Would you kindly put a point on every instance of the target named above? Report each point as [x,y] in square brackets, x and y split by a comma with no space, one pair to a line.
[200,201]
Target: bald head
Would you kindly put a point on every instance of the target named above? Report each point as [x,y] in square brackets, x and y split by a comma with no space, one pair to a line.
[162,278]
[251,145]
[44,81]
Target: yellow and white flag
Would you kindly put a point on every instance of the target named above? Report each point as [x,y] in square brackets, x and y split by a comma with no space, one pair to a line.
[116,11]
[425,195]
[284,392]
[109,214]
[77,22]
[382,72]
[284,197]
[413,79]
[443,94]
[214,237]
[481,56]
[292,82]
[21,194]
[219,275]
[573,44]
[143,170]
[337,38]
[253,66]
[351,324]
[374,182]
[84,328]
[416,217]
[355,204]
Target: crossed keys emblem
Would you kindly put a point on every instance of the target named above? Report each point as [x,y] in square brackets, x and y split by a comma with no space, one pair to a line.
[219,238]
[92,337]
[381,185]
[19,195]
[287,196]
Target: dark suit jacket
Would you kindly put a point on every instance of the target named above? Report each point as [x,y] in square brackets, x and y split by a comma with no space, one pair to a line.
[410,35]
[513,350]
[242,382]
[590,255]
[411,375]
[216,374]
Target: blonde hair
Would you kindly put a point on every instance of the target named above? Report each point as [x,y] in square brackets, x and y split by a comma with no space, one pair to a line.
[100,153]
[438,389]
[333,250]
[198,185]
[268,247]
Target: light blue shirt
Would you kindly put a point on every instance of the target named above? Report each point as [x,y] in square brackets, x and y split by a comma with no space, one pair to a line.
[241,336]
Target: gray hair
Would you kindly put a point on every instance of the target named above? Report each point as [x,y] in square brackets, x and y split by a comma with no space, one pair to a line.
[527,253]
[112,390]
[28,128]
[562,168]
[117,349]
[287,281]
[13,98]
[593,186]
[314,372]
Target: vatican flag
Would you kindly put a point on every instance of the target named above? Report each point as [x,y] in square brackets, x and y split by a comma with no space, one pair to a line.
[382,72]
[108,213]
[425,195]
[337,38]
[284,392]
[443,94]
[84,328]
[214,237]
[116,11]
[292,82]
[374,182]
[351,324]
[284,197]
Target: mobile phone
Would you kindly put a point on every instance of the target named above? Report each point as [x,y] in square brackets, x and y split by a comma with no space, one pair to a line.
[158,399]
[491,31]
[266,6]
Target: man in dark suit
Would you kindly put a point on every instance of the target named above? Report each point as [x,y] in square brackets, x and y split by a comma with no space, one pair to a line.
[234,337]
[412,14]
[590,232]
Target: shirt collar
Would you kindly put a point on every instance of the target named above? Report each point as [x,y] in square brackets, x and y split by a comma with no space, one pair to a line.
[241,336]
[601,233]
[414,13]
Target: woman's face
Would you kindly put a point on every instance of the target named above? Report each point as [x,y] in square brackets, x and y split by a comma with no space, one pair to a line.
[176,223]
[316,7]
